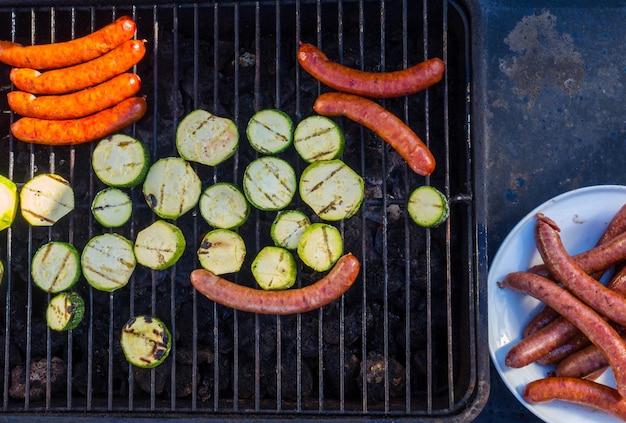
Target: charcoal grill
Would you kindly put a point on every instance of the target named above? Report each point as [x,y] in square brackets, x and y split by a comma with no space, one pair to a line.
[416,312]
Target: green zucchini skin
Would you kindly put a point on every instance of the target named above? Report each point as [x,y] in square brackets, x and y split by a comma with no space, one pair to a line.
[120,161]
[55,266]
[108,261]
[65,311]
[269,183]
[146,341]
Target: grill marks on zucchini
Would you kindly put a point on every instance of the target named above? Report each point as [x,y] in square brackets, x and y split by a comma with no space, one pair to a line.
[45,199]
[108,261]
[120,161]
[269,183]
[55,266]
[65,311]
[318,138]
[270,131]
[146,341]
[160,245]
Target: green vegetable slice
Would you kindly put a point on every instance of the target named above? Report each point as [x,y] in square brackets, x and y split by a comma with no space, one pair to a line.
[287,228]
[45,199]
[274,268]
[205,138]
[108,261]
[269,183]
[55,266]
[8,202]
[146,341]
[320,246]
[112,207]
[332,189]
[160,245]
[224,206]
[222,251]
[270,131]
[428,207]
[318,138]
[120,161]
[65,311]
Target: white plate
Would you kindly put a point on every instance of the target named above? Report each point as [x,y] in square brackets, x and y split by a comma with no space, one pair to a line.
[582,215]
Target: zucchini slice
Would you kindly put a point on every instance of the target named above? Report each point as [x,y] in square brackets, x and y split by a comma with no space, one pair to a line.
[108,261]
[318,138]
[205,138]
[222,251]
[320,246]
[8,202]
[120,161]
[55,266]
[65,311]
[274,268]
[160,245]
[146,341]
[172,187]
[287,228]
[45,199]
[428,207]
[270,131]
[332,189]
[224,206]
[269,183]
[112,207]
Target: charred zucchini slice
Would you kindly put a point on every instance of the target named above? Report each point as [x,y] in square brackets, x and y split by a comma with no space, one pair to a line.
[112,207]
[108,261]
[318,138]
[55,266]
[224,206]
[287,228]
[320,246]
[274,268]
[270,131]
[65,311]
[8,202]
[222,251]
[146,341]
[45,199]
[120,161]
[269,183]
[428,206]
[160,245]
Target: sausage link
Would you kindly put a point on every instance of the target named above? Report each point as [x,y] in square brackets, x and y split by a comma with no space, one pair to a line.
[69,53]
[77,131]
[385,124]
[84,75]
[369,84]
[300,300]
[560,352]
[588,321]
[78,104]
[579,391]
[582,363]
[543,318]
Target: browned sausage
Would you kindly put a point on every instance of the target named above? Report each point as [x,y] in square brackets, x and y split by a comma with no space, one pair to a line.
[543,318]
[77,131]
[388,126]
[68,53]
[84,75]
[369,84]
[565,349]
[78,104]
[300,300]
[579,391]
[588,321]
[582,363]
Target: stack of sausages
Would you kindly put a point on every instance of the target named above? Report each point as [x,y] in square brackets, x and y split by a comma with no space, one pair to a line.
[582,329]
[76,91]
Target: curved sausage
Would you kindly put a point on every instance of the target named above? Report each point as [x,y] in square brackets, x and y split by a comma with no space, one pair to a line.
[543,318]
[68,53]
[329,288]
[385,124]
[77,131]
[560,352]
[579,391]
[84,75]
[78,104]
[582,363]
[369,84]
[603,335]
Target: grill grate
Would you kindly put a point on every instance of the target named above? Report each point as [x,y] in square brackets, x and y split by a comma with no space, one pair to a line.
[414,311]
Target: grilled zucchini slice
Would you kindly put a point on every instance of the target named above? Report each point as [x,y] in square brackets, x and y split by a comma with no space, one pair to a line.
[428,207]
[287,228]
[269,183]
[108,261]
[65,311]
[112,207]
[160,245]
[45,199]
[8,202]
[318,138]
[55,266]
[222,251]
[120,161]
[270,131]
[274,268]
[320,246]
[224,206]
[146,341]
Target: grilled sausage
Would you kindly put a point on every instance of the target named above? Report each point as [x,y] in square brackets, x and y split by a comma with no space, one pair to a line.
[579,391]
[369,84]
[69,53]
[389,127]
[543,318]
[78,104]
[582,363]
[77,131]
[84,75]
[588,321]
[329,288]
[560,352]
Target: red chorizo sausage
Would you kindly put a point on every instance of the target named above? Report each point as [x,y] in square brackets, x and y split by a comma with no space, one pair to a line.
[369,84]
[579,391]
[300,300]
[84,75]
[582,363]
[385,124]
[77,131]
[560,352]
[69,53]
[588,321]
[78,104]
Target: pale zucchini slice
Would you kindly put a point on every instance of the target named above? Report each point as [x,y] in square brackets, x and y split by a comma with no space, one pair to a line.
[224,206]
[55,266]
[172,187]
[108,261]
[274,268]
[270,131]
[65,311]
[8,202]
[45,199]
[318,138]
[320,246]
[222,251]
[332,189]
[146,341]
[120,161]
[269,183]
[428,207]
[112,207]
[160,245]
[205,138]
[287,228]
